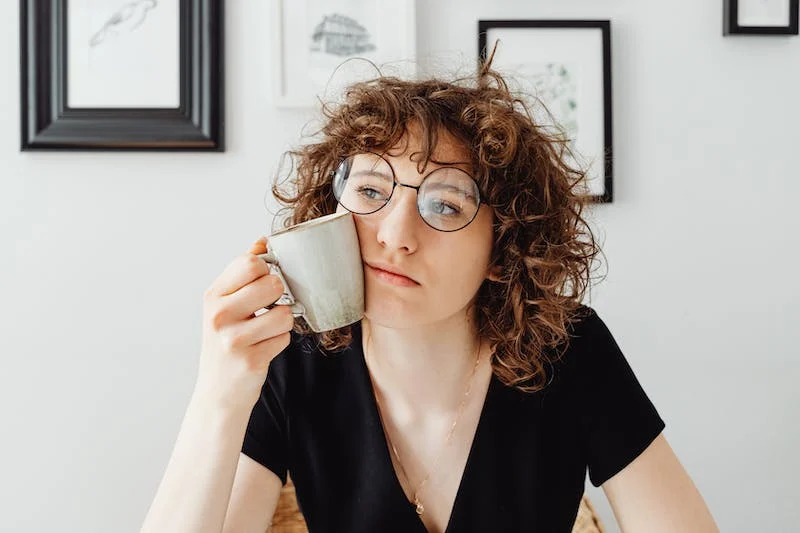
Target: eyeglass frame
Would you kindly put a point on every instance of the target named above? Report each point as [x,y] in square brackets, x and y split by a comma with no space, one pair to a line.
[395,183]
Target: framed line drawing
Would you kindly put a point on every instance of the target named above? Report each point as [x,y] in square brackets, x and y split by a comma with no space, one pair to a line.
[122,75]
[314,39]
[566,66]
[760,17]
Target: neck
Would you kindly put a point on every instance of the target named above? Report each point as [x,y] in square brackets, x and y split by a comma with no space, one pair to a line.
[423,371]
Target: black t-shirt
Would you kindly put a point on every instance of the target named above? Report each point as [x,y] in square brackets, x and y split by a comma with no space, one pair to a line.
[317,418]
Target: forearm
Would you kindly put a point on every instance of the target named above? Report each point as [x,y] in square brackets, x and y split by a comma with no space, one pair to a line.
[195,491]
[655,493]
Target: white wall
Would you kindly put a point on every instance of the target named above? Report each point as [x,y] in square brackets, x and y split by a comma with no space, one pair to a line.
[105,256]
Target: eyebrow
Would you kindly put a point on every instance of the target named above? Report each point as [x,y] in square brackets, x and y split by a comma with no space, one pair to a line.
[448,187]
[434,186]
[371,172]
[450,163]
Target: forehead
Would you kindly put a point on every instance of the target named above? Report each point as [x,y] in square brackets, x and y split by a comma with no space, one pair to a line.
[447,149]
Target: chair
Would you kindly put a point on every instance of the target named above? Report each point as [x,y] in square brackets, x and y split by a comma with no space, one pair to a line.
[288,519]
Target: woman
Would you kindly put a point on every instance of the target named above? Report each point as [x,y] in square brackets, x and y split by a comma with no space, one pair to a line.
[476,390]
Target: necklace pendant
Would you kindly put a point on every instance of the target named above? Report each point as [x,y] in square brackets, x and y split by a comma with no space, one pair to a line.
[419,508]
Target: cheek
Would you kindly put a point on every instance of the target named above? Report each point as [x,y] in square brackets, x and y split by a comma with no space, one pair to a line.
[365,232]
[463,263]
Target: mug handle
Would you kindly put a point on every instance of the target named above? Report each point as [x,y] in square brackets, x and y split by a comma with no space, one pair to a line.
[287,298]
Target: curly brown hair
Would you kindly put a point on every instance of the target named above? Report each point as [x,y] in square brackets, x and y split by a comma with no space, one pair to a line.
[543,247]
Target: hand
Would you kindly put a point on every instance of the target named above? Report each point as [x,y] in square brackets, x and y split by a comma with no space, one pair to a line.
[237,345]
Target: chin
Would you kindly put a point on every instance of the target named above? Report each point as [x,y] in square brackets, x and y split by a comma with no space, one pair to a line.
[396,315]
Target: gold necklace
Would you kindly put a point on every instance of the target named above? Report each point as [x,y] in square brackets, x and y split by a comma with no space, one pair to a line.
[420,509]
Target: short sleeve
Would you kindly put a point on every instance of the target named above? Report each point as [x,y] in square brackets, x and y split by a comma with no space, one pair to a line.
[266,439]
[618,421]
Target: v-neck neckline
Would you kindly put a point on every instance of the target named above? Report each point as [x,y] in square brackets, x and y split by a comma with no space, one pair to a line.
[386,457]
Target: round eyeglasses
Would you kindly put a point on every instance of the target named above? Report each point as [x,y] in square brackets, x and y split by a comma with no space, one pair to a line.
[447,199]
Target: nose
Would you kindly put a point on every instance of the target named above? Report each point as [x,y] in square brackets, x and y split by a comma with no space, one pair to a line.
[398,228]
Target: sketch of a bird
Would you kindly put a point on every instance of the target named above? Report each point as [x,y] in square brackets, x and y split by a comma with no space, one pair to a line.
[125,19]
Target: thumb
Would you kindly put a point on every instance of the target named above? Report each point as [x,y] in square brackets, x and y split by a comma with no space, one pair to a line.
[258,247]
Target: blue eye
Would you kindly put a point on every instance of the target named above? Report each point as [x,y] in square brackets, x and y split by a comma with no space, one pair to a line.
[439,207]
[370,193]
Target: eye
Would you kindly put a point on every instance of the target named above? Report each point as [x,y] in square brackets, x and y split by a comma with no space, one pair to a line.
[440,207]
[370,193]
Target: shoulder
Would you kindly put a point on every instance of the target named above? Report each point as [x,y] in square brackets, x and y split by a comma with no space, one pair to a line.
[585,322]
[591,358]
[590,339]
[586,334]
[615,415]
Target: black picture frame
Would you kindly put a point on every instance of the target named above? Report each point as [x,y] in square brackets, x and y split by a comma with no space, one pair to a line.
[607,196]
[47,123]
[731,26]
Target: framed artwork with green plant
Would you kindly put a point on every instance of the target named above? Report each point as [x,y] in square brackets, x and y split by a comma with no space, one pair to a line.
[562,71]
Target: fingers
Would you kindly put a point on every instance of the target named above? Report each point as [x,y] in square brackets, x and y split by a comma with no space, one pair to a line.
[273,346]
[245,335]
[255,295]
[232,334]
[274,323]
[258,247]
[242,270]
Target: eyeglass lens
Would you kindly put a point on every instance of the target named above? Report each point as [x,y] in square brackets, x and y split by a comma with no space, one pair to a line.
[447,200]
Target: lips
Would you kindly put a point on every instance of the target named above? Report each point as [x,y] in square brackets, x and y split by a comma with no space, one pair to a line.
[393,271]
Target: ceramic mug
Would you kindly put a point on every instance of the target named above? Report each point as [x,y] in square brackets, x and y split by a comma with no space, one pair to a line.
[319,262]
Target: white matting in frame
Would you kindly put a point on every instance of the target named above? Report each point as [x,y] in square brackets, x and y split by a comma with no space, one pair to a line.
[763,12]
[563,67]
[316,38]
[123,53]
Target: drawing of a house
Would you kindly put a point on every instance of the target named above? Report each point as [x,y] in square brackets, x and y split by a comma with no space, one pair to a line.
[340,35]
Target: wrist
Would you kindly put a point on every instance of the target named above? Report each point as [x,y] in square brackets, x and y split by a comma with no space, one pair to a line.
[219,409]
